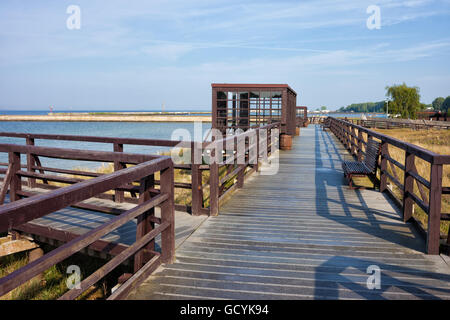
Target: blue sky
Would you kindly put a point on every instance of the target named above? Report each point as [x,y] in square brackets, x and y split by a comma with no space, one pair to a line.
[139,54]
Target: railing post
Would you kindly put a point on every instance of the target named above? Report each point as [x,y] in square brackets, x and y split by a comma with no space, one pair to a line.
[408,185]
[434,214]
[360,138]
[383,166]
[197,194]
[257,151]
[15,184]
[347,136]
[144,223]
[352,141]
[213,186]
[168,215]
[119,194]
[30,163]
[241,172]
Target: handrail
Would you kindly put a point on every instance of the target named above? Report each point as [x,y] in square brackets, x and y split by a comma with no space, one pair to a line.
[196,170]
[33,161]
[236,169]
[19,212]
[96,139]
[346,132]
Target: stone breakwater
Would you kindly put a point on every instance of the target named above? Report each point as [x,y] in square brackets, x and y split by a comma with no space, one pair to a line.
[105,118]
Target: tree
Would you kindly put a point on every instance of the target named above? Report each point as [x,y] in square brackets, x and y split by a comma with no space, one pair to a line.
[437,103]
[364,107]
[445,107]
[405,100]
[323,108]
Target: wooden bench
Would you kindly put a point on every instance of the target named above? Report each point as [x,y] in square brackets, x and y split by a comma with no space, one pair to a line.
[368,167]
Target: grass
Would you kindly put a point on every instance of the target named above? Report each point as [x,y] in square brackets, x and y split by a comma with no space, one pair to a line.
[437,141]
[52,283]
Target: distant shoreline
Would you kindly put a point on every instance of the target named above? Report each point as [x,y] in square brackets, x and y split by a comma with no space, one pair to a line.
[110,117]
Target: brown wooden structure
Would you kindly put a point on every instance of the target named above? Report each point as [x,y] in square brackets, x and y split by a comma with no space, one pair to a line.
[24,207]
[220,182]
[401,123]
[302,116]
[241,106]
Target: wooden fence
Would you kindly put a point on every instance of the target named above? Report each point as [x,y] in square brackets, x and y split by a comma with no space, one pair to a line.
[401,123]
[227,172]
[355,138]
[16,214]
[200,204]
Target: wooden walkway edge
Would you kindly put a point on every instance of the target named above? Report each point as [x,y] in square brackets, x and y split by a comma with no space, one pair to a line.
[302,234]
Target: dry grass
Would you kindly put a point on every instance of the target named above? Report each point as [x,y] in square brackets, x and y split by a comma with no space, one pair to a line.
[52,283]
[434,140]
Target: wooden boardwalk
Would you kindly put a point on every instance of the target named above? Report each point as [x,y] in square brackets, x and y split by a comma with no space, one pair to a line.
[302,234]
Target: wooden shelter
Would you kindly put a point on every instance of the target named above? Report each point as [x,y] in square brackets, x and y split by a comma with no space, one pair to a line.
[241,106]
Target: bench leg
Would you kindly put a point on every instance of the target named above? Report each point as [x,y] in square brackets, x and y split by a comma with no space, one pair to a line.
[350,181]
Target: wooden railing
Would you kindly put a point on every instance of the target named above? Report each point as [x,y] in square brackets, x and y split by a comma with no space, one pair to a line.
[117,145]
[355,138]
[19,212]
[35,171]
[229,170]
[401,123]
[316,119]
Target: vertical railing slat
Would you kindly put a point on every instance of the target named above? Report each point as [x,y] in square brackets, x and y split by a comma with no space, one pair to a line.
[434,214]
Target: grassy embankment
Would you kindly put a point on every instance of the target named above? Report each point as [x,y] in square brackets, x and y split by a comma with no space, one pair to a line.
[434,140]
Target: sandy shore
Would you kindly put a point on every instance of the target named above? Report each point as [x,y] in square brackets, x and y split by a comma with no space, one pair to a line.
[105,118]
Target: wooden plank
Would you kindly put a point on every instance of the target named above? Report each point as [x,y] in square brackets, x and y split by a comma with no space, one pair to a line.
[76,154]
[5,184]
[408,185]
[434,214]
[144,221]
[113,263]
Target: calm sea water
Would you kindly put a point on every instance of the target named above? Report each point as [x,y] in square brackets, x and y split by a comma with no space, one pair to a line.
[45,112]
[350,115]
[150,130]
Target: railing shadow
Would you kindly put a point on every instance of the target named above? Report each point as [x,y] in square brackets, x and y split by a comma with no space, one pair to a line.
[390,286]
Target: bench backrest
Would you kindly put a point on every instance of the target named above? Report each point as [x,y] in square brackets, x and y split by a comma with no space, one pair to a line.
[372,152]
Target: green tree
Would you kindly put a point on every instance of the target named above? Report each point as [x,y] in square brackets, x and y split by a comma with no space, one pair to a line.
[364,107]
[405,100]
[437,103]
[323,108]
[445,107]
